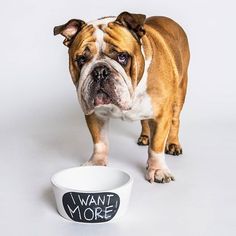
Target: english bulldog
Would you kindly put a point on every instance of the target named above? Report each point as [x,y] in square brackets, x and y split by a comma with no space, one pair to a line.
[134,68]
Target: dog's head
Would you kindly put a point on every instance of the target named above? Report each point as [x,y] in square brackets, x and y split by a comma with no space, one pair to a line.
[106,60]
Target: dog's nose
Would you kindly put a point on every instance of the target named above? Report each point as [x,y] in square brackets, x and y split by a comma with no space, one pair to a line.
[100,72]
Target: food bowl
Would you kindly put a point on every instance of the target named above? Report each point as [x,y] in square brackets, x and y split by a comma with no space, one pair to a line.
[92,194]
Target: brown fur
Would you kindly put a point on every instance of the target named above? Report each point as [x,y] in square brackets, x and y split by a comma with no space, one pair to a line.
[167,81]
[126,43]
[84,39]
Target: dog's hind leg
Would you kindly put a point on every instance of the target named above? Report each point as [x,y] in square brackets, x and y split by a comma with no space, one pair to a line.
[145,133]
[173,146]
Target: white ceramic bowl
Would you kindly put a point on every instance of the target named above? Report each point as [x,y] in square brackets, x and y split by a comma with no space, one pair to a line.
[92,194]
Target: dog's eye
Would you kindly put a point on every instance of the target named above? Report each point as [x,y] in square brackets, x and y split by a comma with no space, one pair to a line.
[122,58]
[81,60]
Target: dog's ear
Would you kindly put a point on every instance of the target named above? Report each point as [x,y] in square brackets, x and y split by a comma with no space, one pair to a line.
[134,22]
[69,30]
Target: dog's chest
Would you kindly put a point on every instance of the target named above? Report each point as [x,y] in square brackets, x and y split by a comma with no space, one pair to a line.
[141,109]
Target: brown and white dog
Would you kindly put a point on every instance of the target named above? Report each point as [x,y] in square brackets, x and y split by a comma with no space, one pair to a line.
[132,68]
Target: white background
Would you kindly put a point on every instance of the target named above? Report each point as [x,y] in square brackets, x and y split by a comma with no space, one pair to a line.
[43,130]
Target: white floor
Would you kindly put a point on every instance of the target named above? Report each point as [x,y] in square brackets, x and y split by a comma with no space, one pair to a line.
[202,200]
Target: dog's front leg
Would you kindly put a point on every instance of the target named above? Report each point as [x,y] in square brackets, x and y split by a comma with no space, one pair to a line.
[157,169]
[98,128]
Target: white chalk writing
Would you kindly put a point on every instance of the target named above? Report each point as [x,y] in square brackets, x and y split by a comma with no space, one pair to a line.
[91,207]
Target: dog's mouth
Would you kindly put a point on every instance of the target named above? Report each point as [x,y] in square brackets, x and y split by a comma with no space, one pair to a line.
[102,98]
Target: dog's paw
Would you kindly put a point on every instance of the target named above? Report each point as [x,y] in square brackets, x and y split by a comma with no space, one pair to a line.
[143,140]
[159,175]
[95,163]
[173,149]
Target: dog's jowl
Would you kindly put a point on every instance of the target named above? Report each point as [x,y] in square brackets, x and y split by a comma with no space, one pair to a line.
[134,68]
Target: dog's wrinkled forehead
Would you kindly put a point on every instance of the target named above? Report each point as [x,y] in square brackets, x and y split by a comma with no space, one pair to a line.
[102,37]
[120,30]
[120,34]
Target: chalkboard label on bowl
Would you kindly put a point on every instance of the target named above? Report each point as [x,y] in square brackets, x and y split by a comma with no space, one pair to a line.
[91,207]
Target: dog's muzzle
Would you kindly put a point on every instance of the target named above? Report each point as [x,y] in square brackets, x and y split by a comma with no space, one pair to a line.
[100,76]
[104,85]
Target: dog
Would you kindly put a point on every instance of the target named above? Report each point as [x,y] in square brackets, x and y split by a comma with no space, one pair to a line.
[134,68]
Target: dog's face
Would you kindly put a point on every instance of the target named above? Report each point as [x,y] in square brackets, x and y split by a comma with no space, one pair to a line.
[105,60]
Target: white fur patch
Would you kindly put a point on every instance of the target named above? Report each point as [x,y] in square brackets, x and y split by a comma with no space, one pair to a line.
[160,158]
[99,34]
[100,148]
